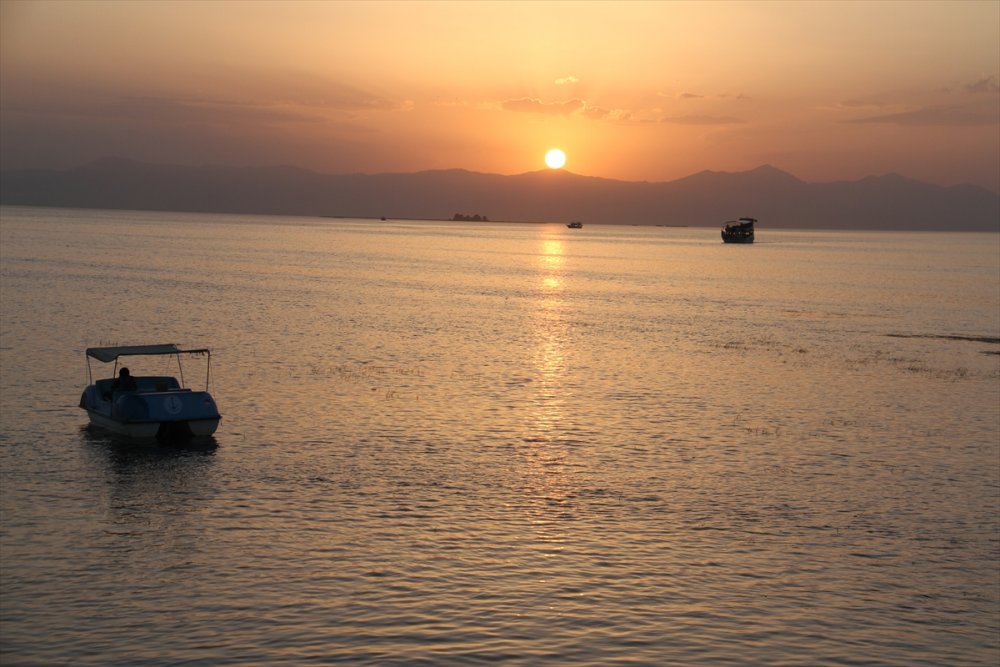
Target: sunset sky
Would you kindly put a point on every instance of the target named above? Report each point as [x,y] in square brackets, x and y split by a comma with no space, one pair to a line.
[638,91]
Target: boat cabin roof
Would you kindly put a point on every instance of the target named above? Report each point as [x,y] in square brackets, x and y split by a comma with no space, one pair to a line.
[109,354]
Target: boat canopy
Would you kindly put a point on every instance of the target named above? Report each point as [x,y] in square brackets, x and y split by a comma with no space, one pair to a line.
[109,354]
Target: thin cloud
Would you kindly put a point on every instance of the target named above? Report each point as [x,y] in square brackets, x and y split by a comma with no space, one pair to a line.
[565,80]
[985,85]
[600,113]
[596,113]
[304,90]
[162,109]
[339,97]
[704,119]
[857,104]
[532,105]
[953,116]
[567,108]
[699,96]
[167,112]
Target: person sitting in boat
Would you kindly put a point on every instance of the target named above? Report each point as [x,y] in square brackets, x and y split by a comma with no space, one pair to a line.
[124,382]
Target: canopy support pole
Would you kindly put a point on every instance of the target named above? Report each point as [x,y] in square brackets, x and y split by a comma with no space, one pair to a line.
[180,369]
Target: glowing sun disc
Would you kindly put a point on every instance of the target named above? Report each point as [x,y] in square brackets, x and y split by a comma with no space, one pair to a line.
[555,158]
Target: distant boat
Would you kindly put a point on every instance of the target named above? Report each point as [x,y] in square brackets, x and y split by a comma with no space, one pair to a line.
[739,231]
[576,224]
[149,406]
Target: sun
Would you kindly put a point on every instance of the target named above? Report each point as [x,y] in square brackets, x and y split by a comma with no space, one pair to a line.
[555,159]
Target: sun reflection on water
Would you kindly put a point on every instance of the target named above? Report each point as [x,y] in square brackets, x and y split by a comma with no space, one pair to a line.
[551,332]
[546,461]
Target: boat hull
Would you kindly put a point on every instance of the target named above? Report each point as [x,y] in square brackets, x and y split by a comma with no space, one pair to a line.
[172,414]
[167,430]
[740,231]
[145,430]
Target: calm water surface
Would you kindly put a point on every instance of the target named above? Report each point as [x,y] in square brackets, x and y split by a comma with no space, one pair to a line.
[449,443]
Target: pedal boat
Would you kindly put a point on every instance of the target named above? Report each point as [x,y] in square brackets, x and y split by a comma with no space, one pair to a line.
[160,407]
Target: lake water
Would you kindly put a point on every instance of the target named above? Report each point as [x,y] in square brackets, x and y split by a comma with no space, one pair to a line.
[451,443]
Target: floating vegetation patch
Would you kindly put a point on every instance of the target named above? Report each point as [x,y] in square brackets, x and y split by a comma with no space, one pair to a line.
[375,378]
[975,339]
[365,371]
[989,340]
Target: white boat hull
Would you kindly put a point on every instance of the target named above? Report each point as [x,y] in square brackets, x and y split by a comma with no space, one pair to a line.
[203,427]
[131,430]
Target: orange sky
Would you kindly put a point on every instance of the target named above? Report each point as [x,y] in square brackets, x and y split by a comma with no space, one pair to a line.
[637,91]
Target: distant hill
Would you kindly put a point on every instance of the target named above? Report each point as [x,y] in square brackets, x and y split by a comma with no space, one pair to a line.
[776,198]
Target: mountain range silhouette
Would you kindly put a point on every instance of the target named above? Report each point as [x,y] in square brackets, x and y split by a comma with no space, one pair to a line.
[708,198]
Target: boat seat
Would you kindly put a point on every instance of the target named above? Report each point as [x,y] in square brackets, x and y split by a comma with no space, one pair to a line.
[144,384]
[157,383]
